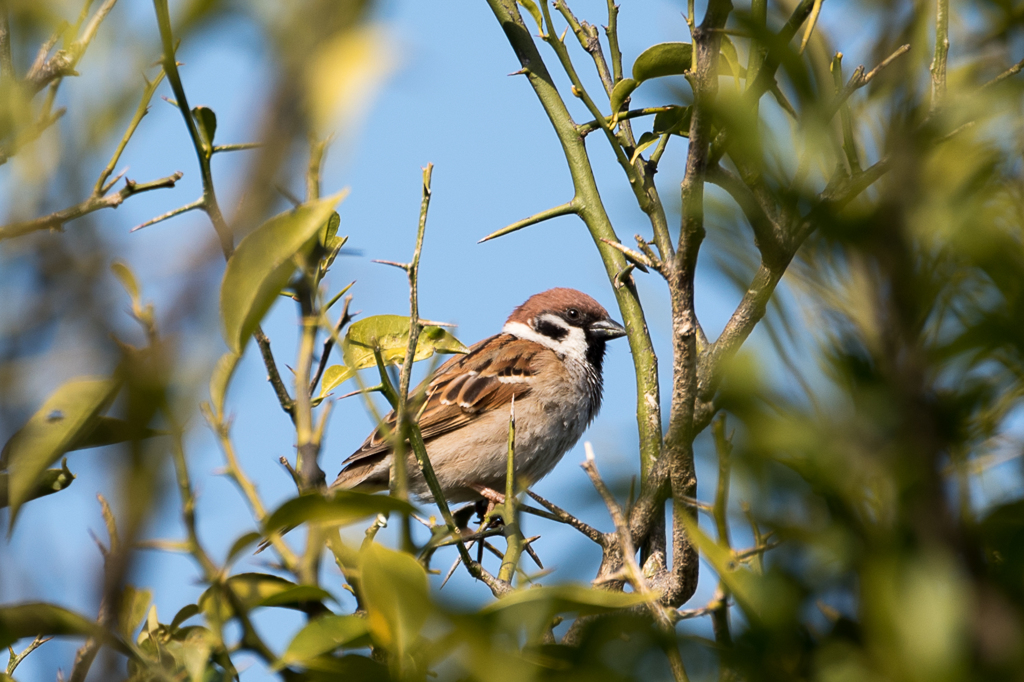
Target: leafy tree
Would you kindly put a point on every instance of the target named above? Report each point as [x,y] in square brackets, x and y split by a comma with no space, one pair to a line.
[885,201]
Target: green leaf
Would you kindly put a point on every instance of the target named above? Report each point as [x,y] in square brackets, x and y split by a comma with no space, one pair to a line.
[622,90]
[330,230]
[396,596]
[324,635]
[206,121]
[134,605]
[256,590]
[535,608]
[127,279]
[390,333]
[220,379]
[67,416]
[646,140]
[741,581]
[534,11]
[110,430]
[344,507]
[262,265]
[564,598]
[33,619]
[731,58]
[663,59]
[186,612]
[675,121]
[49,482]
[334,376]
[241,544]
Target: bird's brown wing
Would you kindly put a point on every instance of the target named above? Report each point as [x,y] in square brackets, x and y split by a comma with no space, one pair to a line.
[485,379]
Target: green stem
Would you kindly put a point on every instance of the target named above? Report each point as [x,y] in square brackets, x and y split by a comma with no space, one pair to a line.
[938,68]
[203,153]
[513,534]
[593,214]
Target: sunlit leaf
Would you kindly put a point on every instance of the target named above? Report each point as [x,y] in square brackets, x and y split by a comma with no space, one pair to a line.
[344,74]
[396,596]
[221,379]
[134,604]
[29,620]
[330,230]
[323,635]
[534,11]
[342,508]
[390,333]
[622,90]
[740,580]
[262,265]
[562,599]
[67,416]
[126,278]
[663,59]
[49,482]
[646,141]
[334,376]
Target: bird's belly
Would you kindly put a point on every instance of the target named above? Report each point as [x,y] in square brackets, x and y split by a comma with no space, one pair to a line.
[545,431]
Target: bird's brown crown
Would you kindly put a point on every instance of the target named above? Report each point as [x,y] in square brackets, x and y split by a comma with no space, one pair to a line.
[558,301]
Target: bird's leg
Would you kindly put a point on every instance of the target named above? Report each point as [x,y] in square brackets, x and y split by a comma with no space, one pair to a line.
[493,497]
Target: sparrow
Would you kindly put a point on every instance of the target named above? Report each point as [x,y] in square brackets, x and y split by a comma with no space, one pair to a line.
[547,358]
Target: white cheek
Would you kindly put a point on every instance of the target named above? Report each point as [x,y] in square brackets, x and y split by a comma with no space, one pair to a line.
[522,331]
[573,346]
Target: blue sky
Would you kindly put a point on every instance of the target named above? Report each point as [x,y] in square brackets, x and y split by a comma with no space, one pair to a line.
[496,160]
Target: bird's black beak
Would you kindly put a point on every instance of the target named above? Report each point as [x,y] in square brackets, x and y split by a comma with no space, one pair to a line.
[606,329]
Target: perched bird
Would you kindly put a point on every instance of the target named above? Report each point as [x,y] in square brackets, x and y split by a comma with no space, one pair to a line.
[548,357]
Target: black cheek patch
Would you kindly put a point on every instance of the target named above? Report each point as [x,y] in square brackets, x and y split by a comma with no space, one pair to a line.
[551,330]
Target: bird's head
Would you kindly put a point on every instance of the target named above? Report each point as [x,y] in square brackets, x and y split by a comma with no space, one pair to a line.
[568,322]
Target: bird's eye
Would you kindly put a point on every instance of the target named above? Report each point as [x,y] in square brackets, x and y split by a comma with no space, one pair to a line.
[573,313]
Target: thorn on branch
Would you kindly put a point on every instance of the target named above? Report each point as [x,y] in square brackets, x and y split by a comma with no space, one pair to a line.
[641,261]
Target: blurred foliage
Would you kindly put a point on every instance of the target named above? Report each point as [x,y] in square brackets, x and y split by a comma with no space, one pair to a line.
[877,552]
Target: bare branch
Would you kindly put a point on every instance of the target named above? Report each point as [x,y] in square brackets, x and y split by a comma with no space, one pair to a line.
[198,203]
[55,221]
[273,376]
[562,516]
[1012,71]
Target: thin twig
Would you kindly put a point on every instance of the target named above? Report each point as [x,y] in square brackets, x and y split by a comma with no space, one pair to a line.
[513,533]
[273,376]
[562,516]
[631,570]
[590,126]
[140,112]
[198,203]
[1012,71]
[325,354]
[565,209]
[40,640]
[55,221]
[938,67]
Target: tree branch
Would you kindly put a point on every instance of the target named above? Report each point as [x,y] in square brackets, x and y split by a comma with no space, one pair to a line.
[55,221]
[593,214]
